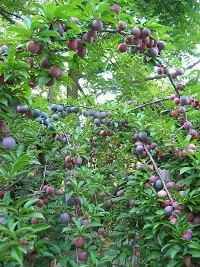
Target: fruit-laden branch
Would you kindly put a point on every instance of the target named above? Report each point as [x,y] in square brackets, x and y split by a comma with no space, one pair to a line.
[157,77]
[193,65]
[113,31]
[12,14]
[159,174]
[150,103]
[173,84]
[4,15]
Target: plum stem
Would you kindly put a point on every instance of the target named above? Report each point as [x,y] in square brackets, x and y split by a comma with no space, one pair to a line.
[172,83]
[159,174]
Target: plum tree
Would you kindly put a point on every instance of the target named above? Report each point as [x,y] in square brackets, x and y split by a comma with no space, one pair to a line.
[72,184]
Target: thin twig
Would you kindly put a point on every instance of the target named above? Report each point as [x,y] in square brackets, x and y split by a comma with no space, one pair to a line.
[159,174]
[43,175]
[192,65]
[150,103]
[157,77]
[6,16]
[7,188]
[12,14]
[173,84]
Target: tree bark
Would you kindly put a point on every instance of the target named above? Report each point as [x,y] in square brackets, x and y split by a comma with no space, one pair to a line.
[73,90]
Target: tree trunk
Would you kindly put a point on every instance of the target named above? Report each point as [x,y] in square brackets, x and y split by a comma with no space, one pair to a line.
[73,89]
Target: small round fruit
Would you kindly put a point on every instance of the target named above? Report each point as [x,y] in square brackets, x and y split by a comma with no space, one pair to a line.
[121,25]
[187,125]
[179,71]
[145,33]
[180,86]
[55,117]
[143,136]
[158,184]
[44,63]
[65,218]
[122,47]
[82,52]
[33,47]
[136,32]
[79,242]
[97,122]
[60,108]
[54,72]
[44,115]
[120,193]
[162,193]
[9,143]
[97,25]
[139,149]
[153,52]
[72,45]
[54,107]
[161,45]
[34,220]
[82,256]
[184,100]
[50,191]
[36,113]
[168,210]
[116,8]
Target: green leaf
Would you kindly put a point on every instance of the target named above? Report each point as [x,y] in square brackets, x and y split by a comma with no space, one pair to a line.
[154,255]
[19,164]
[43,80]
[8,232]
[17,254]
[48,33]
[35,214]
[7,198]
[185,169]
[40,227]
[31,202]
[93,224]
[21,30]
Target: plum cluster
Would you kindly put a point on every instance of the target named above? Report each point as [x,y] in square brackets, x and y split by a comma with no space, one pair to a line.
[171,209]
[142,141]
[45,197]
[71,162]
[173,74]
[180,112]
[58,111]
[190,149]
[140,41]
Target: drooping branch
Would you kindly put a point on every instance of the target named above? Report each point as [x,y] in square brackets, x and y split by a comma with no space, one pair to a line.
[150,103]
[4,15]
[173,84]
[193,65]
[12,14]
[157,77]
[159,174]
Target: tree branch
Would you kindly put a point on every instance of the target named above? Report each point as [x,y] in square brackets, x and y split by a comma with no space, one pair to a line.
[4,15]
[150,103]
[159,174]
[192,65]
[173,84]
[157,77]
[12,14]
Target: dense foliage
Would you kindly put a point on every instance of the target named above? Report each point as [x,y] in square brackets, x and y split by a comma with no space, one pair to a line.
[90,182]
